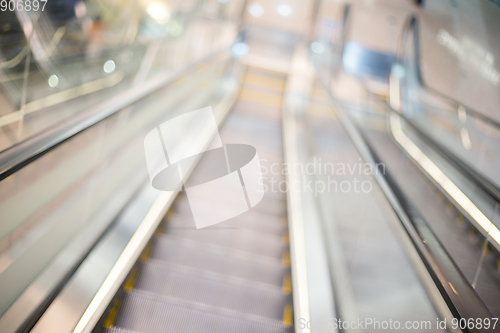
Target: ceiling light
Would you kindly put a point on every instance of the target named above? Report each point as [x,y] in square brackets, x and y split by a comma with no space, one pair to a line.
[158,12]
[284,10]
[256,10]
[240,49]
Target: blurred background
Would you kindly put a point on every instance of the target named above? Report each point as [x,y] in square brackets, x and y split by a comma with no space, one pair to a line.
[393,103]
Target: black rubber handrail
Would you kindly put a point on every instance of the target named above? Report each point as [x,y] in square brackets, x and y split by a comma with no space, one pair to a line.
[482,182]
[29,150]
[462,300]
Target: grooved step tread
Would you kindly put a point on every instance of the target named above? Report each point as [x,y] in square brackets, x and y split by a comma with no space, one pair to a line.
[212,289]
[269,206]
[230,277]
[237,239]
[218,259]
[148,312]
[252,221]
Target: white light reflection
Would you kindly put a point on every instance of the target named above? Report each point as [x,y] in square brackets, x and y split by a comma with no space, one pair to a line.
[481,60]
[53,81]
[317,47]
[444,182]
[109,66]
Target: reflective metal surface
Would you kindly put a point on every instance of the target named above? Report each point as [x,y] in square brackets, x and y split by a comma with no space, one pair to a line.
[103,271]
[352,174]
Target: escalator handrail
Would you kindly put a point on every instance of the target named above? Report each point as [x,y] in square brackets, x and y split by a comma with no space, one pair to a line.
[483,183]
[20,155]
[461,299]
[445,273]
[411,26]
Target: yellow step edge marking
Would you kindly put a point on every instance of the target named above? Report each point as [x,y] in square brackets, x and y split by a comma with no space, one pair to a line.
[449,207]
[263,97]
[170,214]
[93,311]
[285,239]
[287,284]
[498,264]
[265,71]
[110,321]
[160,230]
[472,232]
[146,254]
[129,285]
[319,110]
[459,219]
[285,259]
[485,247]
[287,316]
[265,81]
[382,96]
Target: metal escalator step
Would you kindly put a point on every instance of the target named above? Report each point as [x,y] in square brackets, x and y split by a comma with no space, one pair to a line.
[151,313]
[251,220]
[238,239]
[270,205]
[116,329]
[213,289]
[219,259]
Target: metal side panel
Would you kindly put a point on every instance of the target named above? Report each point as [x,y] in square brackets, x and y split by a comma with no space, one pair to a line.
[65,312]
[87,294]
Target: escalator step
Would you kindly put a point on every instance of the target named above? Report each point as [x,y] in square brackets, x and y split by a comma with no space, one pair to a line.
[236,239]
[219,259]
[213,289]
[269,206]
[231,277]
[147,312]
[251,220]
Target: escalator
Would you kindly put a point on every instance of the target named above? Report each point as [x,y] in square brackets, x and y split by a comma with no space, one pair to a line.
[475,256]
[154,271]
[236,276]
[233,276]
[420,140]
[89,244]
